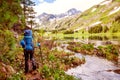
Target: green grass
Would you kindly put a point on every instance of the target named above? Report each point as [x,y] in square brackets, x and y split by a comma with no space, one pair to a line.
[117,0]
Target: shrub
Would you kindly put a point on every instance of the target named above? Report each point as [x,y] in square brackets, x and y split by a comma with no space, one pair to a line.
[96,29]
[117,18]
[115,27]
[17,76]
[7,46]
[55,74]
[69,32]
[105,29]
[110,52]
[51,57]
[88,47]
[54,31]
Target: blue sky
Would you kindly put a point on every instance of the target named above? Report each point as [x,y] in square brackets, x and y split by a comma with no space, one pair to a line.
[61,6]
[37,2]
[49,1]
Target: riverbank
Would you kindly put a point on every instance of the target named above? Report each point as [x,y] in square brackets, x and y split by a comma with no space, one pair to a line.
[108,51]
[95,67]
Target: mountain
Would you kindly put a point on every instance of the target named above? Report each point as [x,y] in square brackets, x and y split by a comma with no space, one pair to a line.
[105,15]
[45,17]
[72,11]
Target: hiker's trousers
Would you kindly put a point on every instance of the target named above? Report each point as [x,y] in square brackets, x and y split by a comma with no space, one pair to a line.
[29,55]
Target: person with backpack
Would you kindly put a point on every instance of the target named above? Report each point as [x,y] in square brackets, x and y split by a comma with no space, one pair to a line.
[27,44]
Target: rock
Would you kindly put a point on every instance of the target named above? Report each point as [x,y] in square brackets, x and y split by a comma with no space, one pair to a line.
[2,64]
[10,69]
[119,60]
[107,42]
[3,70]
[117,71]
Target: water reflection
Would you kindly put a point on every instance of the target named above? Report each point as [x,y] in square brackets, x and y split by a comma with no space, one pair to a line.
[68,37]
[91,37]
[98,38]
[116,37]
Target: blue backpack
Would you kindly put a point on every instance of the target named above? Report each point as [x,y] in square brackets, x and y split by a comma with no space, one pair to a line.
[28,40]
[28,32]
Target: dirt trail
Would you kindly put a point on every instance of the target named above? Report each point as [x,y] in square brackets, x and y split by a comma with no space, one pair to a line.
[32,75]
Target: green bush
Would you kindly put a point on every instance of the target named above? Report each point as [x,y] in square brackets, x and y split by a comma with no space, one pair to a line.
[55,74]
[51,57]
[9,13]
[96,29]
[110,52]
[69,32]
[17,76]
[7,46]
[115,27]
[88,47]
[117,18]
[54,31]
[105,29]
[112,49]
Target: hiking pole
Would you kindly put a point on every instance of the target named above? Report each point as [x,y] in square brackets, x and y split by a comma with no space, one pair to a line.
[40,52]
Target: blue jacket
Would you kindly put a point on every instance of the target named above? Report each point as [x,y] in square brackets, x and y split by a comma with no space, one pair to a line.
[22,43]
[27,43]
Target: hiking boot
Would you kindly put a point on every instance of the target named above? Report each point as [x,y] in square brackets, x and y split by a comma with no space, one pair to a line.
[34,67]
[25,72]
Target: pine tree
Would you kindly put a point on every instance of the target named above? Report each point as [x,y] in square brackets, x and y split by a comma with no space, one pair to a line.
[28,11]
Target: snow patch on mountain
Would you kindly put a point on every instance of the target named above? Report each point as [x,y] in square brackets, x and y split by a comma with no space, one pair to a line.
[106,2]
[96,23]
[116,9]
[93,9]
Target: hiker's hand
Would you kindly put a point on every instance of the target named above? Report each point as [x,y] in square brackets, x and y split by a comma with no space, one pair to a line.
[38,44]
[35,47]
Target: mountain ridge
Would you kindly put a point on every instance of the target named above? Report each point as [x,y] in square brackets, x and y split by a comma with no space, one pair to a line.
[105,15]
[46,17]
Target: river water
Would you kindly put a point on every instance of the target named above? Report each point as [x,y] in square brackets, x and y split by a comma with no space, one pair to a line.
[95,68]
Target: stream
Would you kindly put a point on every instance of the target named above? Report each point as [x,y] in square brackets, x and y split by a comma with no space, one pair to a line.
[95,68]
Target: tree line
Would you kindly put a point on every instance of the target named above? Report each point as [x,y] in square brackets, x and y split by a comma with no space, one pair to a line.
[15,11]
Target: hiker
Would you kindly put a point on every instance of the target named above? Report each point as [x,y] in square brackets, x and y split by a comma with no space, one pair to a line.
[27,44]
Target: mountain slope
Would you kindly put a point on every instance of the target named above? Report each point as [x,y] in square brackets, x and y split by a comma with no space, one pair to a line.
[105,15]
[46,18]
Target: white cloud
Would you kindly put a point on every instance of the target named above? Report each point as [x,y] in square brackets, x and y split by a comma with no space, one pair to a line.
[61,6]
